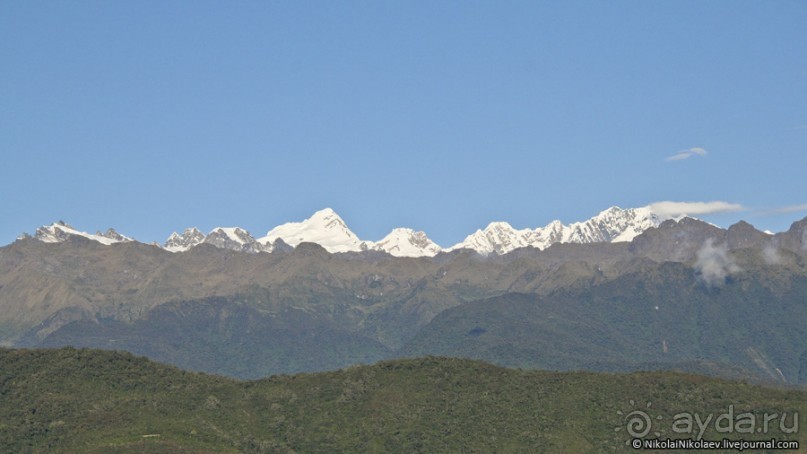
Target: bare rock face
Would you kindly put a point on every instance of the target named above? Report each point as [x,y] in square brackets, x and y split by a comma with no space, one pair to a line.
[189,238]
[743,235]
[235,239]
[795,239]
[675,241]
[114,235]
[280,246]
[55,233]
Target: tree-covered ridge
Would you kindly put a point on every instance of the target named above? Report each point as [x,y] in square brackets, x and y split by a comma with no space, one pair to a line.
[72,400]
[660,317]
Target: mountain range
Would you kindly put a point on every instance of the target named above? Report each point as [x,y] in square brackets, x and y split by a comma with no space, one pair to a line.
[683,294]
[329,230]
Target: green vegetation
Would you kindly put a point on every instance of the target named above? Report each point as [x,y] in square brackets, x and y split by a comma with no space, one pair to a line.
[661,317]
[228,336]
[72,400]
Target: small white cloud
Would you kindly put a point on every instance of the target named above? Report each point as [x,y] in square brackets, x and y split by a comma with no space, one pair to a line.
[686,154]
[669,210]
[714,263]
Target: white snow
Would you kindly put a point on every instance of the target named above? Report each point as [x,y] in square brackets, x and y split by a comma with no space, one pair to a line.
[324,227]
[327,229]
[236,234]
[611,225]
[59,231]
[497,237]
[403,242]
[180,243]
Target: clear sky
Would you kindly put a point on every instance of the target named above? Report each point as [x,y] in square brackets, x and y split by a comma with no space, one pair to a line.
[442,116]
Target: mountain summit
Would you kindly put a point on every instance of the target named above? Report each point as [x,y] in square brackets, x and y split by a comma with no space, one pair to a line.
[612,225]
[60,231]
[324,227]
[329,230]
[403,242]
[189,238]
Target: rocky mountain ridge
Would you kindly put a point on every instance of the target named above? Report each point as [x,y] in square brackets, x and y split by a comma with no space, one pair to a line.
[329,230]
[369,304]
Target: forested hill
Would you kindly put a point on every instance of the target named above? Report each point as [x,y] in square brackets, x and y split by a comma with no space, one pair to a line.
[71,400]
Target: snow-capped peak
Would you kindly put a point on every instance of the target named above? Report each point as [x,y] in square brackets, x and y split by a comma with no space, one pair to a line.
[189,238]
[235,234]
[60,231]
[497,237]
[114,235]
[234,238]
[403,242]
[324,227]
[327,229]
[612,225]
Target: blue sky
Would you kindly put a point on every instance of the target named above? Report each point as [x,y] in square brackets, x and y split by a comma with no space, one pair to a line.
[442,116]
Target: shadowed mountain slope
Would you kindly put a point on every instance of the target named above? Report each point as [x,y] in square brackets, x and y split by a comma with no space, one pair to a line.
[305,309]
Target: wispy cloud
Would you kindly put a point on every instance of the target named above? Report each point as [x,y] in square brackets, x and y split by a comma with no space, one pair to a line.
[792,208]
[676,209]
[771,255]
[686,154]
[782,210]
